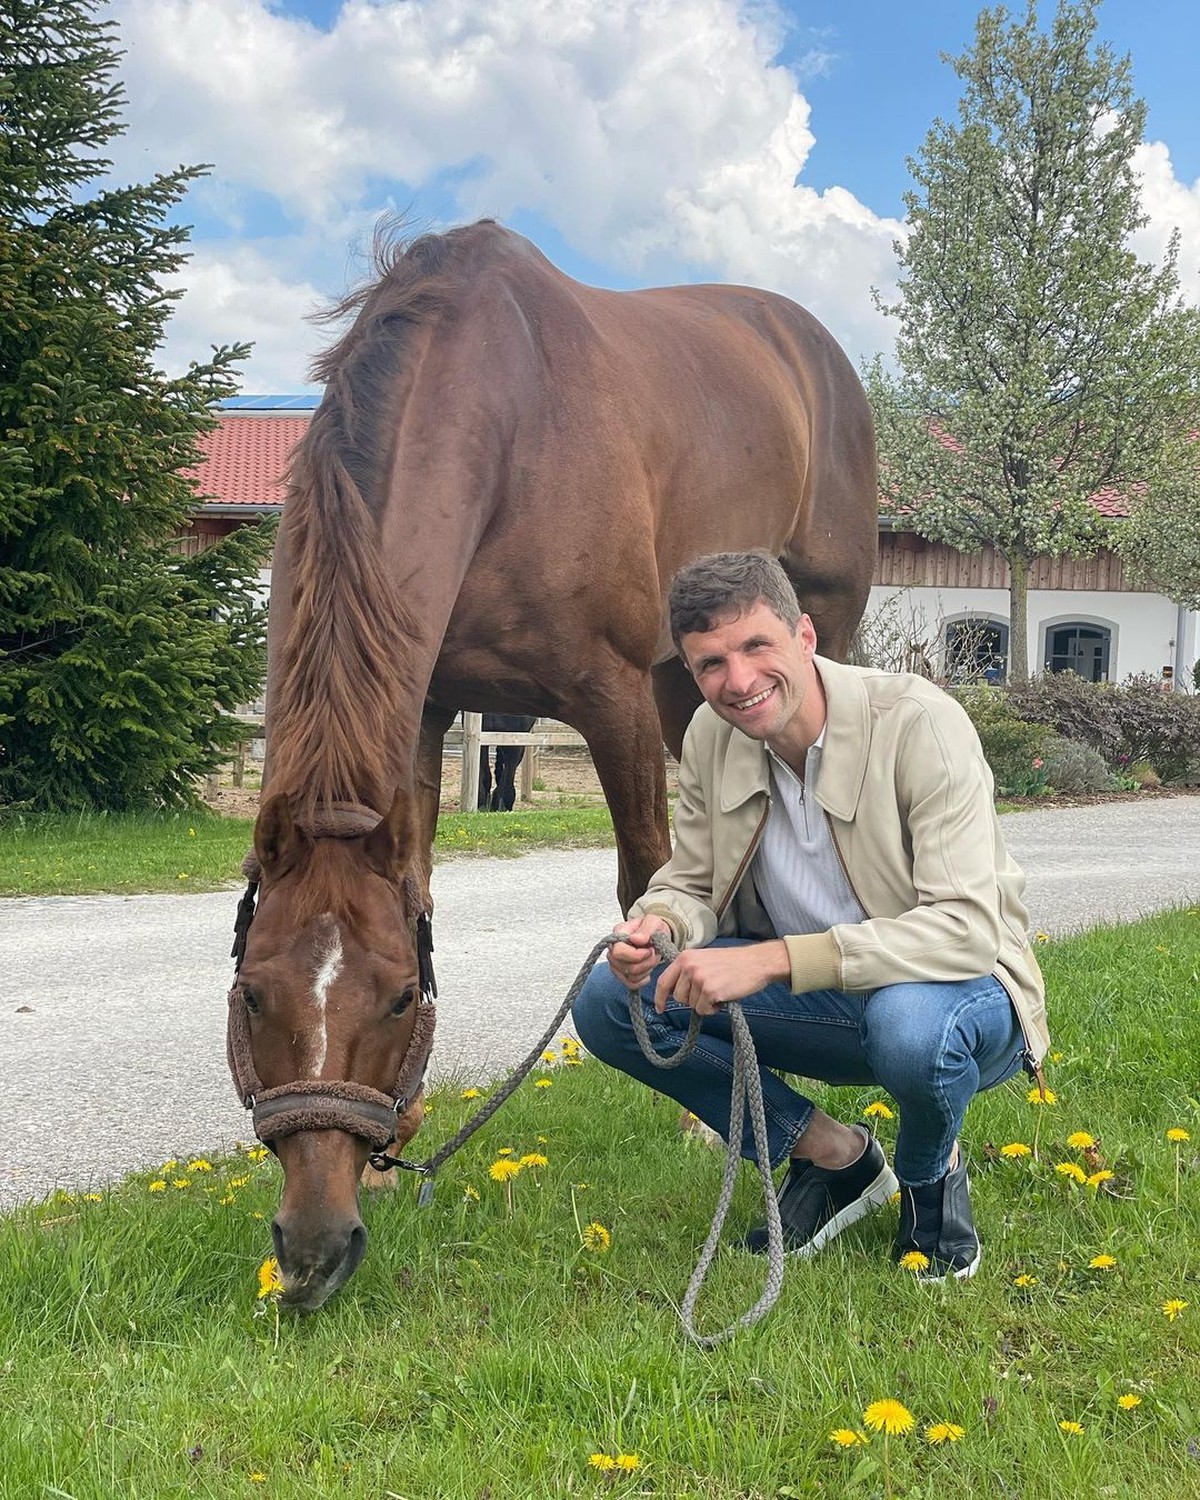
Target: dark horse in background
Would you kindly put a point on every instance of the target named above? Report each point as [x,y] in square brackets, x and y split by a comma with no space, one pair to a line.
[505,760]
[505,472]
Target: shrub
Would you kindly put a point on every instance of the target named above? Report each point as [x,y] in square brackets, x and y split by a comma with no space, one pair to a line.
[1158,727]
[1011,746]
[1075,768]
[1077,710]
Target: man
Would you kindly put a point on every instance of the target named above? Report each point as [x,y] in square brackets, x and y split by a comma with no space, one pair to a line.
[838,867]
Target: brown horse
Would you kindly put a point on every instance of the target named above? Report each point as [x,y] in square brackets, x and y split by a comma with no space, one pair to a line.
[506,471]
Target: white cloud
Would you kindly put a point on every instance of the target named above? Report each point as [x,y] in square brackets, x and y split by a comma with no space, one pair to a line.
[641,130]
[1169,205]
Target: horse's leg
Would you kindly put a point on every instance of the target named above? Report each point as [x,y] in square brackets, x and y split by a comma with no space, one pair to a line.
[678,698]
[619,722]
[428,778]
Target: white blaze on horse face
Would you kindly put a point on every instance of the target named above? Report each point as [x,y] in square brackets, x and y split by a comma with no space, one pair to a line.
[329,966]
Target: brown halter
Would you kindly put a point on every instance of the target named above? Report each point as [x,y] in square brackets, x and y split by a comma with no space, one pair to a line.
[327,1103]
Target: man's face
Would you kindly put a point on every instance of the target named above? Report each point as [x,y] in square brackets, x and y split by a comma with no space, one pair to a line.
[754,671]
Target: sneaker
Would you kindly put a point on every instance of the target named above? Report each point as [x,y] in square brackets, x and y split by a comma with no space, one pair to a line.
[935,1221]
[817,1203]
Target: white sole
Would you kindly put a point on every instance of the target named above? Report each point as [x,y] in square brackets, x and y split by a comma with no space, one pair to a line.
[876,1195]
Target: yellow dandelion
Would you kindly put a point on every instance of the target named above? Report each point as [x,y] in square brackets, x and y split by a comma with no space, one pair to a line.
[535,1159]
[1041,937]
[506,1151]
[895,1198]
[1041,1096]
[914,1260]
[238,1182]
[191,833]
[270,1282]
[157,1186]
[596,1237]
[169,1166]
[1097,1178]
[1025,1279]
[878,1110]
[1102,1262]
[503,1170]
[543,1083]
[1074,1428]
[93,1197]
[1173,1308]
[1080,1140]
[1072,1170]
[572,1062]
[258,1477]
[1015,1149]
[888,1416]
[602,1461]
[181,1182]
[469,1094]
[1128,1401]
[1056,1057]
[846,1437]
[199,1165]
[628,1462]
[226,1200]
[569,1045]
[471,1194]
[549,1056]
[944,1432]
[257,1153]
[1177,1133]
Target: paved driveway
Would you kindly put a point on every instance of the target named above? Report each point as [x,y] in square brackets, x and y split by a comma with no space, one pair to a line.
[112,1009]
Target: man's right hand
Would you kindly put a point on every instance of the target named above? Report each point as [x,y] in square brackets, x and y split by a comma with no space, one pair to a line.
[634,960]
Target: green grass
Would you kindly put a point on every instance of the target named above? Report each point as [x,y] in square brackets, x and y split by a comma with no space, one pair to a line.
[86,854]
[480,1355]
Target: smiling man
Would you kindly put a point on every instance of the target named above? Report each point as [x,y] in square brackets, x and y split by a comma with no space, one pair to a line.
[838,867]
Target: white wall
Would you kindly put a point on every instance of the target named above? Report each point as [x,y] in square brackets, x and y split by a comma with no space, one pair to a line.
[1143,626]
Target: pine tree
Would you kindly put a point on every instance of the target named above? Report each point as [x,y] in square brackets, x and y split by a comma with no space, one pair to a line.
[1039,360]
[118,655]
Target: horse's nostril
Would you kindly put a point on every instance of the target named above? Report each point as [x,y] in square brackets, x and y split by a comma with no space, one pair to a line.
[357,1247]
[277,1237]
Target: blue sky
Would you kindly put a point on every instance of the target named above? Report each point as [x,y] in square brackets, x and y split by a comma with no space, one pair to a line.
[635,141]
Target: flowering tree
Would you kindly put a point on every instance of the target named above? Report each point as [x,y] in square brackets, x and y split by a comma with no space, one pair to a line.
[1039,360]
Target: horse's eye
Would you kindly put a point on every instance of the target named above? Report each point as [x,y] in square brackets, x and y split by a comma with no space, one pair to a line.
[404,1001]
[251,1001]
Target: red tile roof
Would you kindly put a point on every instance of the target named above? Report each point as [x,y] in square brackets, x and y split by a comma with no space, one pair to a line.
[245,460]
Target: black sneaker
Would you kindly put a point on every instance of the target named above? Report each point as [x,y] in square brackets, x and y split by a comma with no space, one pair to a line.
[817,1203]
[935,1221]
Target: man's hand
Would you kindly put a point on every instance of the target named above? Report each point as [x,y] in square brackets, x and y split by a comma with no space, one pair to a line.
[634,960]
[704,978]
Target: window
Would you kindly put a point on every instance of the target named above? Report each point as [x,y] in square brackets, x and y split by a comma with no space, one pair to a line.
[1078,648]
[976,650]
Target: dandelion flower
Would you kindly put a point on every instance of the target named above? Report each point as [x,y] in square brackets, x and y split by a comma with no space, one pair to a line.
[1072,1170]
[846,1437]
[1102,1262]
[543,1083]
[602,1461]
[549,1056]
[1056,1057]
[628,1462]
[879,1110]
[1177,1133]
[226,1200]
[157,1186]
[181,1182]
[199,1165]
[503,1170]
[169,1166]
[1128,1401]
[1074,1428]
[572,1062]
[269,1280]
[596,1237]
[238,1182]
[1015,1149]
[888,1416]
[258,1477]
[1173,1308]
[257,1153]
[93,1197]
[535,1159]
[1025,1279]
[469,1094]
[1097,1178]
[944,1432]
[914,1260]
[471,1194]
[506,1151]
[1041,937]
[1080,1140]
[1041,1096]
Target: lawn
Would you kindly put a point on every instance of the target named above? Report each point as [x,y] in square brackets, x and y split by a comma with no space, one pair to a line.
[482,1353]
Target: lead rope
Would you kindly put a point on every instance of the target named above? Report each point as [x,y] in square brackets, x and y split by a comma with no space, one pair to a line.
[747,1084]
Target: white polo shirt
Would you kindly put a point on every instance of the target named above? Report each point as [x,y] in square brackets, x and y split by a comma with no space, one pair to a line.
[796,869]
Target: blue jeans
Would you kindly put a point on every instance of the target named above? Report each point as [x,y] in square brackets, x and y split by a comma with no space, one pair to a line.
[931,1046]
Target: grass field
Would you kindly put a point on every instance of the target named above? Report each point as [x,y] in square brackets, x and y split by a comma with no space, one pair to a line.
[489,1355]
[124,853]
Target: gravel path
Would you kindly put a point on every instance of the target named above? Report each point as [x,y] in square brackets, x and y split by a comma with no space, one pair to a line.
[112,1009]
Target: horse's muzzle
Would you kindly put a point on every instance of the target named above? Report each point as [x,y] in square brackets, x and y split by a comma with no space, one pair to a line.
[314,1264]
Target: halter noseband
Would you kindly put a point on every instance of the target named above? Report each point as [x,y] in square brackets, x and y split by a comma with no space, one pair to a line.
[328,1103]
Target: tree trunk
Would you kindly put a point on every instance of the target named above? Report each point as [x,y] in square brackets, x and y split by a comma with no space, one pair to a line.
[1018,617]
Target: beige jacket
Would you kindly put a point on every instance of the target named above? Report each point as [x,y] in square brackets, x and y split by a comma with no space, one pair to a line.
[910,803]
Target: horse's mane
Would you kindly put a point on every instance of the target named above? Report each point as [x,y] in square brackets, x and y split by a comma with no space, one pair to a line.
[346,673]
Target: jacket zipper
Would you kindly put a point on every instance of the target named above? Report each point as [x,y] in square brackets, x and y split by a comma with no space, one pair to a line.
[745,860]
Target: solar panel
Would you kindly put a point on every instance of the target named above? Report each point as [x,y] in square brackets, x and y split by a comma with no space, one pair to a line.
[270,403]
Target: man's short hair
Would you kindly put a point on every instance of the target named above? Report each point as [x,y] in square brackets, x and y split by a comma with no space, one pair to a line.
[724,583]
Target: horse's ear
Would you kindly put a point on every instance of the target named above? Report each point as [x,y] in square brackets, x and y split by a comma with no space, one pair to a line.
[277,841]
[390,845]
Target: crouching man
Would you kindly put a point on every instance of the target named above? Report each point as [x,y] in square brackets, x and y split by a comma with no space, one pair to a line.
[838,867]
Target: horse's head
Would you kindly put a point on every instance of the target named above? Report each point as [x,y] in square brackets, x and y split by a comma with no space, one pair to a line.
[328,1029]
